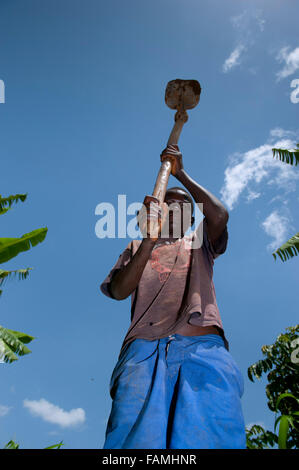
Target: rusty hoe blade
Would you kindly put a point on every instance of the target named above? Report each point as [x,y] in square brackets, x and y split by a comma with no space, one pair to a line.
[182,94]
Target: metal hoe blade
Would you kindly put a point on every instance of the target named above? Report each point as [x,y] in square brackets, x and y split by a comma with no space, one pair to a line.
[182,94]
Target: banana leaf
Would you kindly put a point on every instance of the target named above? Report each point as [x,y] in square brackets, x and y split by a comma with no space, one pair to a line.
[11,247]
[12,344]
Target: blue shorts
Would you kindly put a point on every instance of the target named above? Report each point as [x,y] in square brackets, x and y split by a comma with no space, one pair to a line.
[178,392]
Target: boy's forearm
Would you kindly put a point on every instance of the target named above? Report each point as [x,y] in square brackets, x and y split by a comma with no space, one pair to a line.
[214,211]
[212,207]
[125,281]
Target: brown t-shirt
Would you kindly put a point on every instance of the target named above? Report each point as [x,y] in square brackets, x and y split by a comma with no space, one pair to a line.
[176,286]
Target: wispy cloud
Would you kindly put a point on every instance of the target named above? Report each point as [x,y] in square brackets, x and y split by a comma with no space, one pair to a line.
[53,414]
[247,172]
[254,172]
[4,410]
[276,226]
[247,26]
[248,22]
[233,59]
[260,21]
[281,133]
[290,60]
[252,195]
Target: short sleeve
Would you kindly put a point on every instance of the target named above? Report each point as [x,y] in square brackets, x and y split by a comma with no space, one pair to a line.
[122,261]
[219,246]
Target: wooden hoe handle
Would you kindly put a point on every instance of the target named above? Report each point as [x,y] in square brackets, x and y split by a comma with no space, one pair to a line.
[181,117]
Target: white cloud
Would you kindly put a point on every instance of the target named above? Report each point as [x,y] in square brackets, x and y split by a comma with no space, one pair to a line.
[281,133]
[238,20]
[4,410]
[252,195]
[276,226]
[248,25]
[261,23]
[248,22]
[53,414]
[250,170]
[253,172]
[291,62]
[233,59]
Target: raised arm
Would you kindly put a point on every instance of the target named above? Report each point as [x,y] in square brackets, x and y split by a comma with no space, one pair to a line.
[214,211]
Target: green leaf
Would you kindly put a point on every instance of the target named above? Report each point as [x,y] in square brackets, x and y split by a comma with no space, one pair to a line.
[289,249]
[56,446]
[277,421]
[21,273]
[284,395]
[249,373]
[258,438]
[283,432]
[287,156]
[11,247]
[8,201]
[12,343]
[258,368]
[3,211]
[21,336]
[11,445]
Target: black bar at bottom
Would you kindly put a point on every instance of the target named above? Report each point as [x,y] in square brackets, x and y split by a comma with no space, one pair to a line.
[147,457]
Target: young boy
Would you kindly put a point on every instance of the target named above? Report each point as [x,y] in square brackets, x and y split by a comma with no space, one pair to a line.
[175,384]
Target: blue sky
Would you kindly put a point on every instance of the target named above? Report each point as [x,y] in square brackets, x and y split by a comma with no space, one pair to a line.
[84,120]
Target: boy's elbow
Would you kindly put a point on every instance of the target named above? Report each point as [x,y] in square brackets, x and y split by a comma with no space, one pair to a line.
[226,216]
[116,293]
[222,216]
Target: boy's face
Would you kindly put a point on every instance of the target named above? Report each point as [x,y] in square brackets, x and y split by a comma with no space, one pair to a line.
[180,217]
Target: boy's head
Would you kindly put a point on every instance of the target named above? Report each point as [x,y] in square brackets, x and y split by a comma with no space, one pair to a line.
[181,204]
[181,194]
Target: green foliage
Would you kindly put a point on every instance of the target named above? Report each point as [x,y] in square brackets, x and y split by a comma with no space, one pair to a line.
[288,249]
[258,438]
[6,202]
[12,343]
[291,247]
[56,446]
[13,445]
[287,156]
[282,365]
[286,421]
[22,274]
[11,247]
